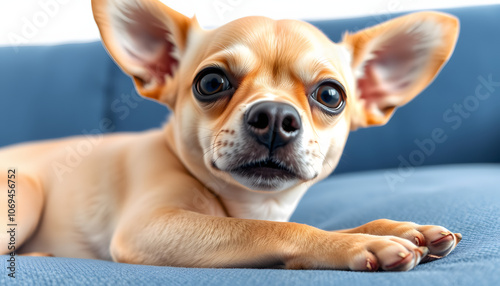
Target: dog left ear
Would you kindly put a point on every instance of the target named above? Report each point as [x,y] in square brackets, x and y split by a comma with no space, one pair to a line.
[394,61]
[146,38]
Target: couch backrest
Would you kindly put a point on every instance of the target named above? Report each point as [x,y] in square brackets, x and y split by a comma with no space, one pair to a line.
[56,91]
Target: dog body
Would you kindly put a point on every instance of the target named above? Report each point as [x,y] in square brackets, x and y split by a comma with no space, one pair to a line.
[262,110]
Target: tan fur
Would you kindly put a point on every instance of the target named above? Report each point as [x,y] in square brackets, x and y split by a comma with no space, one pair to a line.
[154,197]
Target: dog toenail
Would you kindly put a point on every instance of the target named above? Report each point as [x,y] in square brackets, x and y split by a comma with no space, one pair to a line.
[422,250]
[405,258]
[430,258]
[434,256]
[442,238]
[417,241]
[370,265]
[458,237]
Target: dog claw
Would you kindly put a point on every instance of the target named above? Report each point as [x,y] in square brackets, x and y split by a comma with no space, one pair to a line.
[405,259]
[402,254]
[430,257]
[419,242]
[439,240]
[423,251]
[370,265]
[434,256]
[458,237]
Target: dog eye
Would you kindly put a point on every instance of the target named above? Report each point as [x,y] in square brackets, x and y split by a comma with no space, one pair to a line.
[212,83]
[330,95]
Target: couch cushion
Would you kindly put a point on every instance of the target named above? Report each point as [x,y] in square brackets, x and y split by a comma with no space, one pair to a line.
[463,198]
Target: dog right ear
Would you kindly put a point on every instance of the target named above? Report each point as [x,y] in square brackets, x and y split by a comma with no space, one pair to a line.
[395,60]
[146,39]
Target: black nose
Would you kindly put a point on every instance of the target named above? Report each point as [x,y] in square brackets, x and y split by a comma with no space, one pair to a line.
[273,124]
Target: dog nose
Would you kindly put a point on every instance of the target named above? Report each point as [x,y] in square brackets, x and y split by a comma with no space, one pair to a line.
[273,124]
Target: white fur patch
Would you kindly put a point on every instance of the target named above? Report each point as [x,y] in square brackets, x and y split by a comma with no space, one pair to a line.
[241,59]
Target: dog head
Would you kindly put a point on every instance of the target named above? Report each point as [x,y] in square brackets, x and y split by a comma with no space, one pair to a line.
[267,105]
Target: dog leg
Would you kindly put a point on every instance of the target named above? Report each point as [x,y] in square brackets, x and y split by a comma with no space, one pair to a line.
[437,239]
[189,239]
[24,204]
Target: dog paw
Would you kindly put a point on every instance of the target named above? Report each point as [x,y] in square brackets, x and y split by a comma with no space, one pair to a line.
[439,240]
[387,253]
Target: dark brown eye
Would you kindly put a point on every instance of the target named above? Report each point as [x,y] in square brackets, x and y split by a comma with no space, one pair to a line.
[330,96]
[212,83]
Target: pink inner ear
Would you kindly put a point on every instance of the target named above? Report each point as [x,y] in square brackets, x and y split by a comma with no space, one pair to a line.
[154,53]
[145,39]
[370,85]
[393,67]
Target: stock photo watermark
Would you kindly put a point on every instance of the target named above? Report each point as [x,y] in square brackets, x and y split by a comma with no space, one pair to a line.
[383,14]
[11,221]
[222,7]
[454,117]
[32,25]
[76,153]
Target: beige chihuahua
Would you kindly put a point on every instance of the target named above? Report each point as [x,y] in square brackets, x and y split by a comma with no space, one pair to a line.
[262,111]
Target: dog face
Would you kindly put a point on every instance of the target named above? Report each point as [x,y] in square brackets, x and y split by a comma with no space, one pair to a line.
[267,105]
[278,115]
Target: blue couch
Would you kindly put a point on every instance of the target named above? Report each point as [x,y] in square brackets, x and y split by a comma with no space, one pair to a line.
[436,162]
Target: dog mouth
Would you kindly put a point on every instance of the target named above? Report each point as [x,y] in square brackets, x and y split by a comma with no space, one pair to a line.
[267,169]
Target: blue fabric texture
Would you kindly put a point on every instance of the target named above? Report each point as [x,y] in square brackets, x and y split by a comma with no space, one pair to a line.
[57,91]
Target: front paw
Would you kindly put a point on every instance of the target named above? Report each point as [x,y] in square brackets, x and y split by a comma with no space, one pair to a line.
[389,253]
[437,239]
[359,252]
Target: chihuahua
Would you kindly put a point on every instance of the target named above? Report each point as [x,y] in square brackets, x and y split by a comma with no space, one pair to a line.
[261,111]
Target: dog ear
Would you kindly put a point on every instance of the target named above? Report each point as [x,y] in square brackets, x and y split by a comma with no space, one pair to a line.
[394,61]
[146,38]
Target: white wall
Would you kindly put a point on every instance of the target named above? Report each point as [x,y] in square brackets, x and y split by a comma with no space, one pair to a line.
[32,22]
